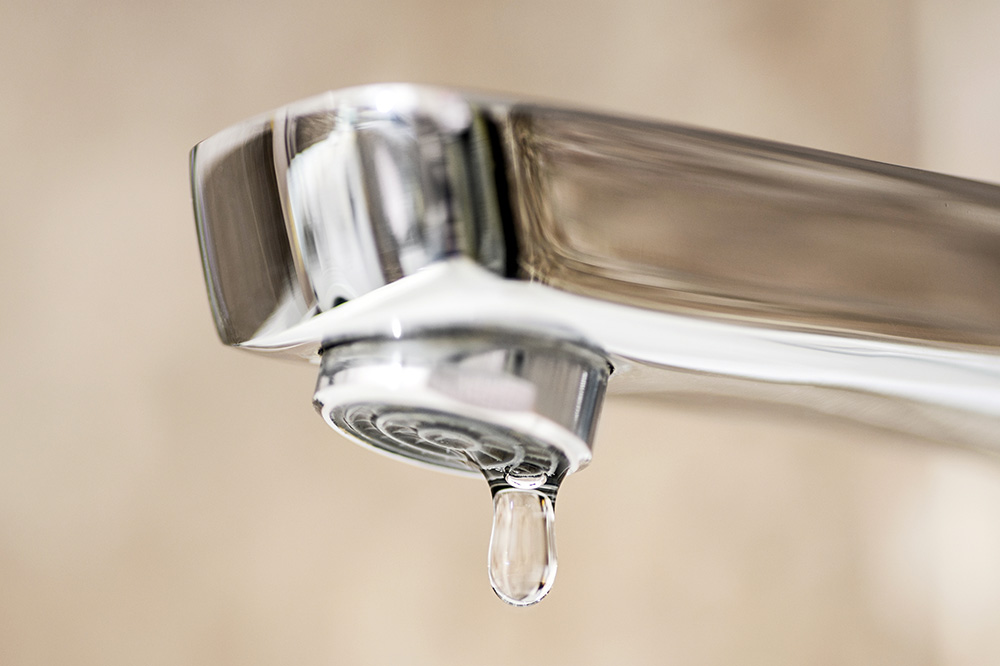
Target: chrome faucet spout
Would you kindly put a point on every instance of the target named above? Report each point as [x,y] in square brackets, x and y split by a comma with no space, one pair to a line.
[468,271]
[695,259]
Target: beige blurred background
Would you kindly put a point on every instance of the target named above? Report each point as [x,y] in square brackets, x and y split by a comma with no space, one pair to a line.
[166,500]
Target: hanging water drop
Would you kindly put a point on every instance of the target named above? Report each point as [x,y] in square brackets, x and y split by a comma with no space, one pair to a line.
[522,560]
[526,479]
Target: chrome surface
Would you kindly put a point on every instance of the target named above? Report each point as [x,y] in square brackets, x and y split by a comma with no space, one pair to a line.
[701,263]
[502,404]
[331,198]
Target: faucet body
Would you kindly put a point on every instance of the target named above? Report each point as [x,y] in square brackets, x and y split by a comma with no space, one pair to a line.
[697,262]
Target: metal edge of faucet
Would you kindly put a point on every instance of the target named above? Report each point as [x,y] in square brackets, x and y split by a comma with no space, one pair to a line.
[325,200]
[732,257]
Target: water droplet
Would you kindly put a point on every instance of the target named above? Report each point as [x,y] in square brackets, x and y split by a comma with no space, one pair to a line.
[526,479]
[522,560]
[526,482]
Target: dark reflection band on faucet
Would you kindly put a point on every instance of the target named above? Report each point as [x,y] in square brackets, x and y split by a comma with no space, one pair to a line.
[241,229]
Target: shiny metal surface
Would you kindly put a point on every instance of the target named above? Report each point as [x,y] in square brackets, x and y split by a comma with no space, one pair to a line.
[487,402]
[333,197]
[691,221]
[701,262]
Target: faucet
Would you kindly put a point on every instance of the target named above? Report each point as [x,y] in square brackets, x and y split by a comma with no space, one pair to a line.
[471,273]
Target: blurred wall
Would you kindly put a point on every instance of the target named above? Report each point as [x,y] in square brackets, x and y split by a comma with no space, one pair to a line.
[164,500]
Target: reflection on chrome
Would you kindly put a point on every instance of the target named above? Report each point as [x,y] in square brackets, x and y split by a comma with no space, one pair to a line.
[699,262]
